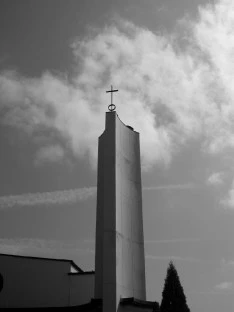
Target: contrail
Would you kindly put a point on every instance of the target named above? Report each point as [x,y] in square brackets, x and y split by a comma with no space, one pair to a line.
[47,198]
[69,196]
[185,186]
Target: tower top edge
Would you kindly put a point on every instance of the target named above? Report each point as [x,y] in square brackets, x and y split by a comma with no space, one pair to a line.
[111,118]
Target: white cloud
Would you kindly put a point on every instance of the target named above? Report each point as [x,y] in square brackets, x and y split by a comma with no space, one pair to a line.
[47,198]
[175,187]
[225,286]
[169,94]
[68,196]
[228,201]
[64,196]
[215,37]
[215,178]
[52,153]
[22,246]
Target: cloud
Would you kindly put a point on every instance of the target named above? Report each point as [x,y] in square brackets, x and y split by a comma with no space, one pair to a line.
[215,179]
[228,201]
[67,196]
[47,198]
[208,292]
[227,265]
[171,258]
[230,263]
[225,286]
[23,246]
[214,36]
[185,186]
[170,93]
[52,153]
[175,240]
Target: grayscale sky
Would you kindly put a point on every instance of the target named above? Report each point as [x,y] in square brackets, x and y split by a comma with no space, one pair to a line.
[172,62]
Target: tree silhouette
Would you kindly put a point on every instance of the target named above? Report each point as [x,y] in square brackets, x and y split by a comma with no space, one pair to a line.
[173,297]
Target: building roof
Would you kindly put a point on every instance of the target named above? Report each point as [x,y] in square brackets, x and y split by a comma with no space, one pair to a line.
[140,303]
[95,305]
[46,259]
[81,273]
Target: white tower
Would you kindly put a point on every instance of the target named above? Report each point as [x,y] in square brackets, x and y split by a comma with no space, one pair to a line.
[119,259]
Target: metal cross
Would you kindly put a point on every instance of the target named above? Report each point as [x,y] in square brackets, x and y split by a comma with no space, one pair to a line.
[111,107]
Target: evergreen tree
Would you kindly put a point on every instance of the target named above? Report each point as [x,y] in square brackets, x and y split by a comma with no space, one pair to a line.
[173,298]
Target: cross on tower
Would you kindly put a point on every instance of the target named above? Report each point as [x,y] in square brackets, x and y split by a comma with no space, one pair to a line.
[111,107]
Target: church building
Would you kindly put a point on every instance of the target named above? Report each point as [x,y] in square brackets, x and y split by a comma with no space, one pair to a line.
[118,283]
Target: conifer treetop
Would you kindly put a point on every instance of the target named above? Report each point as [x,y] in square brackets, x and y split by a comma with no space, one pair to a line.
[173,297]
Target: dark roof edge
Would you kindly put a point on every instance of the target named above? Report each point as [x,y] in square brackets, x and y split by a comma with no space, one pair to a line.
[42,258]
[138,302]
[81,273]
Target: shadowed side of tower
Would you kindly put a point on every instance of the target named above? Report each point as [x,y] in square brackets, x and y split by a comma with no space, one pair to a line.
[119,259]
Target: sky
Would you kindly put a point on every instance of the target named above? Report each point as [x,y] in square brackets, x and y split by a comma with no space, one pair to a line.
[173,64]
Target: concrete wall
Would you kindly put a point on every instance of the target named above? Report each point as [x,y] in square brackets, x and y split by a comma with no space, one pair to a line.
[33,282]
[120,263]
[129,220]
[105,217]
[81,288]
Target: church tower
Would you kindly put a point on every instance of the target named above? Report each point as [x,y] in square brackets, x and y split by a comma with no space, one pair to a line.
[119,258]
